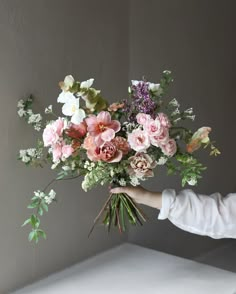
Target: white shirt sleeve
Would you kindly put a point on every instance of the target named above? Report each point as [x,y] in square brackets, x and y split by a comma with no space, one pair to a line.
[213,215]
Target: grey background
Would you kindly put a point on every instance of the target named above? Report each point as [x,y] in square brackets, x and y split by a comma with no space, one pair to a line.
[114,41]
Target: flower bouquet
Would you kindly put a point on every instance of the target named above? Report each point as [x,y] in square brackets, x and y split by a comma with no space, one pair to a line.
[116,144]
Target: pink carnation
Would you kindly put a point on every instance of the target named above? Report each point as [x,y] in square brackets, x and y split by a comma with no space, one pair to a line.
[139,140]
[53,132]
[170,148]
[102,127]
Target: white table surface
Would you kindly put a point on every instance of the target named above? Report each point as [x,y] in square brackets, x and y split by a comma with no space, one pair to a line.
[136,270]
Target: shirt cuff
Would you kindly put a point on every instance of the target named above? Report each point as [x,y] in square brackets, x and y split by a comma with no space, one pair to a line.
[168,198]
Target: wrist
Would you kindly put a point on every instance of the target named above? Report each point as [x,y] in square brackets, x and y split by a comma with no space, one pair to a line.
[153,199]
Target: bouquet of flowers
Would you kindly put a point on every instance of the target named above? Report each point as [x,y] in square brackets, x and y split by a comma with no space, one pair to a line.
[116,144]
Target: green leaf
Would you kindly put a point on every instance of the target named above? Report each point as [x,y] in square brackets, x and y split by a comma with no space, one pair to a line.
[26,222]
[31,235]
[44,206]
[42,234]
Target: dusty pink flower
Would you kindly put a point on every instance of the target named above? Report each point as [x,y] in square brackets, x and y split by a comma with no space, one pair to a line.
[199,137]
[56,152]
[53,132]
[141,165]
[115,106]
[139,140]
[153,127]
[161,139]
[89,143]
[102,127]
[164,120]
[107,152]
[142,118]
[77,131]
[121,144]
[67,151]
[169,148]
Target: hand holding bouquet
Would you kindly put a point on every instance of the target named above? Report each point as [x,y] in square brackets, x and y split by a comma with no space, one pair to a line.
[118,144]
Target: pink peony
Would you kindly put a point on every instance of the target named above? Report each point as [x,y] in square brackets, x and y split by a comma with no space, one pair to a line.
[142,118]
[169,148]
[141,165]
[107,152]
[164,120]
[53,132]
[139,140]
[102,128]
[121,144]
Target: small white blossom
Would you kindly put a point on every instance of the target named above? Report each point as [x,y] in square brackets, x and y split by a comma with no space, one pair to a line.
[55,164]
[162,160]
[175,112]
[134,181]
[52,194]
[34,118]
[39,194]
[23,153]
[188,111]
[122,182]
[21,104]
[192,117]
[32,152]
[48,109]
[66,167]
[48,200]
[21,112]
[192,181]
[25,159]
[174,103]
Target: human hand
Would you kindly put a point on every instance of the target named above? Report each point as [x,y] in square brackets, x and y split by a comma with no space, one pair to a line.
[140,195]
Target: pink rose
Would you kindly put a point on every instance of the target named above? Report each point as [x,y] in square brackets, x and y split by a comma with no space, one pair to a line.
[139,140]
[153,127]
[141,165]
[161,139]
[169,148]
[164,120]
[142,118]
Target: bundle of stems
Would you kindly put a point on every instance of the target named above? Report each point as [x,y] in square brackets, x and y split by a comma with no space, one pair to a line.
[117,210]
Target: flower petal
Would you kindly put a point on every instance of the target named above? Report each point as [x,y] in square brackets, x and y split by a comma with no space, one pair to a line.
[108,135]
[118,156]
[78,116]
[115,125]
[87,84]
[65,97]
[104,117]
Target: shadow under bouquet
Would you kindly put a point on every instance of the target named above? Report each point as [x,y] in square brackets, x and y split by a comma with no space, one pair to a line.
[114,144]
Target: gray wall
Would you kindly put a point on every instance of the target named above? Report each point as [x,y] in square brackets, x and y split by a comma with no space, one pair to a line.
[196,40]
[41,42]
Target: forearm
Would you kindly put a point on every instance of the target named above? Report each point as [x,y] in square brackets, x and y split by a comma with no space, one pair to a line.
[152,199]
